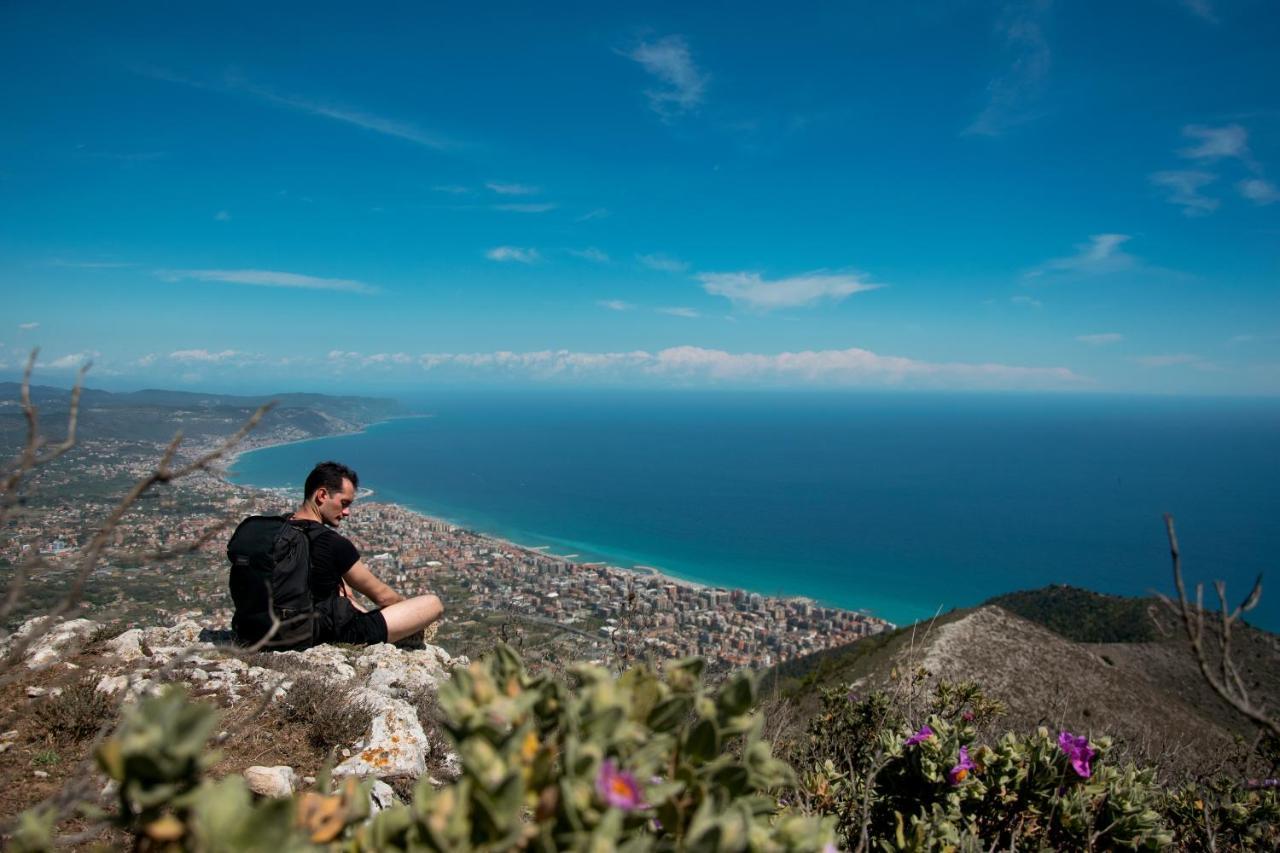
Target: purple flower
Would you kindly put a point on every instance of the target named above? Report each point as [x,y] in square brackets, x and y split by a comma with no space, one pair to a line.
[1078,751]
[967,716]
[924,734]
[618,788]
[961,771]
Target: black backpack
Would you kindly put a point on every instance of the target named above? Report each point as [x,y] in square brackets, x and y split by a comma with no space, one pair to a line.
[271,573]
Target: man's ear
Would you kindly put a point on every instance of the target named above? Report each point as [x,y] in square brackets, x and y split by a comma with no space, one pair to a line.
[320,495]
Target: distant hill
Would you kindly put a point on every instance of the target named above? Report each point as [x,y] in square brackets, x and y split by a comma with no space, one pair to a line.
[154,415]
[1066,658]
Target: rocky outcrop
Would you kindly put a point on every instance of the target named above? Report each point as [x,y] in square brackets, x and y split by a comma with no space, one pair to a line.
[138,661]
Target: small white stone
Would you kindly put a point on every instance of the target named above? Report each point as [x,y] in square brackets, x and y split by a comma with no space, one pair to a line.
[198,675]
[112,684]
[34,692]
[275,781]
[382,796]
[40,774]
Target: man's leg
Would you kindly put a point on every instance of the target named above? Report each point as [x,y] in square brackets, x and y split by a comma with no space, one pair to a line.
[408,617]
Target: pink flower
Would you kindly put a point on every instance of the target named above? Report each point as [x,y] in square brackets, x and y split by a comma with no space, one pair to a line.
[967,716]
[924,734]
[618,788]
[1078,751]
[961,771]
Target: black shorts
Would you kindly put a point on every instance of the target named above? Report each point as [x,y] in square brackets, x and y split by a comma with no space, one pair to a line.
[342,623]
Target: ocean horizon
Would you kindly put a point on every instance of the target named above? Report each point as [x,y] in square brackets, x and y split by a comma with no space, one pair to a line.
[899,505]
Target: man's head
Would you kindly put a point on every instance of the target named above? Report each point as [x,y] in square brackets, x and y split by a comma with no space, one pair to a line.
[330,490]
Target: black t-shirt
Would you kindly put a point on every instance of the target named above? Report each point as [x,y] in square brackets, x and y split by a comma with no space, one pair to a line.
[332,556]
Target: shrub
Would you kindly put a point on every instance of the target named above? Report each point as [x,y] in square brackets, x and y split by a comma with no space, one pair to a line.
[332,714]
[77,713]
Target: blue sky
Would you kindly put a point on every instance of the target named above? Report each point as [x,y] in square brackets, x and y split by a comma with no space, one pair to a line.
[954,195]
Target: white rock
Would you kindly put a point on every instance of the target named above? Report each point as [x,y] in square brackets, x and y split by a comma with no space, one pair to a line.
[110,684]
[382,796]
[398,673]
[40,774]
[271,781]
[61,641]
[127,646]
[198,675]
[34,692]
[395,746]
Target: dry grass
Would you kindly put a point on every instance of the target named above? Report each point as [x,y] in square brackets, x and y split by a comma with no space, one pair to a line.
[331,715]
[76,714]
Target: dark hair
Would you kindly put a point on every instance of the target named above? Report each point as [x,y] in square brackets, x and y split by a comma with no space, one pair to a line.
[329,475]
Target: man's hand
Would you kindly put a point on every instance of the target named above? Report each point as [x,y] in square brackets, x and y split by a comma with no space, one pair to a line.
[363,580]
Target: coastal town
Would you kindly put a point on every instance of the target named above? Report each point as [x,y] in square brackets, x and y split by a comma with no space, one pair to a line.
[553,607]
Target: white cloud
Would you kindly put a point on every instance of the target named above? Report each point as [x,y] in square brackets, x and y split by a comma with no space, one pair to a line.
[451,189]
[513,253]
[1258,191]
[664,263]
[669,60]
[1011,95]
[146,360]
[1216,143]
[540,207]
[1167,360]
[615,305]
[204,355]
[753,291]
[684,364]
[598,213]
[1101,255]
[72,361]
[269,278]
[590,254]
[28,326]
[1100,338]
[89,265]
[511,189]
[222,216]
[1028,301]
[688,313]
[1183,189]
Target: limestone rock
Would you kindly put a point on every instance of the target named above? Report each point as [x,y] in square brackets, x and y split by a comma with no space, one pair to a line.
[276,781]
[111,684]
[395,746]
[128,646]
[382,796]
[56,643]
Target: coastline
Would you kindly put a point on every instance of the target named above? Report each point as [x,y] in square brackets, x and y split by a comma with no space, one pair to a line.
[538,552]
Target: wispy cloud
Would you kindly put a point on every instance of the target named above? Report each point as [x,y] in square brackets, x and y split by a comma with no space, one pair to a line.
[451,189]
[688,313]
[1167,360]
[664,263]
[590,254]
[1100,338]
[615,305]
[1183,189]
[669,60]
[1026,301]
[598,213]
[1258,191]
[511,189]
[691,364]
[205,356]
[28,326]
[1011,96]
[269,278]
[751,290]
[1101,255]
[1217,143]
[222,216]
[537,207]
[504,254]
[72,361]
[235,83]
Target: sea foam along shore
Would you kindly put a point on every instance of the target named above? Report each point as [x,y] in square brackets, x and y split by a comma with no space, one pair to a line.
[537,552]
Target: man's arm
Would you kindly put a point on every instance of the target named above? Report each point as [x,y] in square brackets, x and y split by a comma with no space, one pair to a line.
[363,580]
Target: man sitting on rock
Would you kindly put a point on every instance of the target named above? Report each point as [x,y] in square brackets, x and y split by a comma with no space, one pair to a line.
[335,569]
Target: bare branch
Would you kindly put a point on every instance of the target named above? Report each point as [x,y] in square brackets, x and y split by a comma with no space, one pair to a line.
[1226,682]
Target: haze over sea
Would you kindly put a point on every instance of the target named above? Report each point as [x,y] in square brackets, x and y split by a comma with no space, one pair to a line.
[896,504]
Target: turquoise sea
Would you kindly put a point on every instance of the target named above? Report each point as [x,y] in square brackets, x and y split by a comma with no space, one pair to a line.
[896,504]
